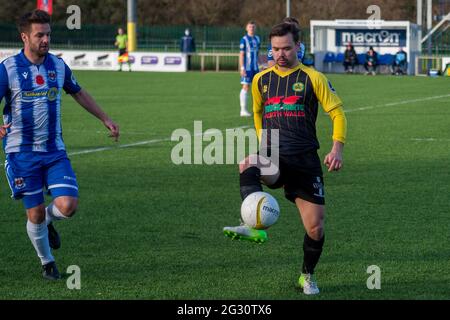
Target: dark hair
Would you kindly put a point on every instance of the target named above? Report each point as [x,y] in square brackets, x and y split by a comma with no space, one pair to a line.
[283,29]
[251,22]
[291,20]
[35,16]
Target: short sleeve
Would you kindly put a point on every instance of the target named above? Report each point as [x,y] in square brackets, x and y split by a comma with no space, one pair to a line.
[4,84]
[70,83]
[242,45]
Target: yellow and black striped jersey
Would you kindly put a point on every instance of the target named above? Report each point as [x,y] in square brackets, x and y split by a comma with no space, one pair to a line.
[288,101]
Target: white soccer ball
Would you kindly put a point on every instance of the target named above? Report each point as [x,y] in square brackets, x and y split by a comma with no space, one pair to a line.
[260,210]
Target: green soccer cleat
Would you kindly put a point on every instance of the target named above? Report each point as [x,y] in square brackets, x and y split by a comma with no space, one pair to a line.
[244,232]
[308,283]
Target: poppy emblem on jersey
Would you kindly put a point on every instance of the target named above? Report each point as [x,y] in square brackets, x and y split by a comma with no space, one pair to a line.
[52,94]
[19,183]
[40,80]
[51,75]
[298,87]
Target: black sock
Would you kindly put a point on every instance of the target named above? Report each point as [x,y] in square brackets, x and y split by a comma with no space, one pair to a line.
[249,181]
[311,253]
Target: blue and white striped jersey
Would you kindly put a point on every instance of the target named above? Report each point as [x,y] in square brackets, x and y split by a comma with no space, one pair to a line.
[33,102]
[250,45]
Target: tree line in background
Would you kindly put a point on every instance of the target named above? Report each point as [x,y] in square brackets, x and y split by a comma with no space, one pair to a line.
[215,12]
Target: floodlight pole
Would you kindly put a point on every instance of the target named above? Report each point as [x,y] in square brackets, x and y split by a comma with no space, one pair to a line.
[288,8]
[131,25]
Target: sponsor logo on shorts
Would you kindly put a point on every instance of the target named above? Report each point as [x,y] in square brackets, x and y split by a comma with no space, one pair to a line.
[69,178]
[319,187]
[19,183]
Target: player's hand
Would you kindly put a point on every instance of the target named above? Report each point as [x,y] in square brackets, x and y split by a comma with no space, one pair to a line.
[243,73]
[113,128]
[333,160]
[3,129]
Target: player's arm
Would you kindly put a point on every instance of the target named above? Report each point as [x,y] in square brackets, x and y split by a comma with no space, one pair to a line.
[332,104]
[87,102]
[241,58]
[4,86]
[333,160]
[257,106]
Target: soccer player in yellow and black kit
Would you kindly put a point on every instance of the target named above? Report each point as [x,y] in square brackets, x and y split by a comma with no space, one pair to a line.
[286,97]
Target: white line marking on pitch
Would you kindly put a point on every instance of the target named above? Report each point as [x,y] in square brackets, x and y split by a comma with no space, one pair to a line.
[141,143]
[428,139]
[397,103]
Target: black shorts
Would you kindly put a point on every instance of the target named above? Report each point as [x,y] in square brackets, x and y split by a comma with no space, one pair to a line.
[301,177]
[122,52]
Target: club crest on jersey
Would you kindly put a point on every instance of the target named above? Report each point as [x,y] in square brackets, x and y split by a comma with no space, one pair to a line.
[52,75]
[265,88]
[19,183]
[331,87]
[298,87]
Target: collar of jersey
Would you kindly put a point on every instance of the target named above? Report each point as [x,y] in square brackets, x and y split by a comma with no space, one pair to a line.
[285,73]
[27,62]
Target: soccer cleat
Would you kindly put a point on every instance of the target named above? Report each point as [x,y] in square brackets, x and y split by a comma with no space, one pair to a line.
[53,237]
[244,232]
[50,271]
[308,283]
[245,114]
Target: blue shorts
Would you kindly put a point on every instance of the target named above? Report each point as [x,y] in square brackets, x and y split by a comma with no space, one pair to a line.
[249,76]
[29,173]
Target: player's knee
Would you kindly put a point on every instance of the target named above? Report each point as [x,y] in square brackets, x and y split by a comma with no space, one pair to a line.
[245,87]
[316,232]
[250,161]
[36,215]
[67,207]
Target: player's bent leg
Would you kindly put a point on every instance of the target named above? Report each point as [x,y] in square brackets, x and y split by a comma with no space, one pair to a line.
[250,181]
[62,207]
[65,206]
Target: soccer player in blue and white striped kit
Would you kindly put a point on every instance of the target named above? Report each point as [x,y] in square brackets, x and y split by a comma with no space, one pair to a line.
[31,83]
[248,63]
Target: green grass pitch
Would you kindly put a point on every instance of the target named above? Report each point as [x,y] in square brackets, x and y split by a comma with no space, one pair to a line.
[149,229]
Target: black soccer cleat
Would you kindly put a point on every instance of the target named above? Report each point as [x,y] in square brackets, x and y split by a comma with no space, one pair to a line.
[50,271]
[53,237]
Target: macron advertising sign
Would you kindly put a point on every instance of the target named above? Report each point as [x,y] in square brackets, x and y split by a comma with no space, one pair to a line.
[371,37]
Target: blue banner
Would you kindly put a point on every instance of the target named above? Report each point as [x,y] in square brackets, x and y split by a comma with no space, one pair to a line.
[371,37]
